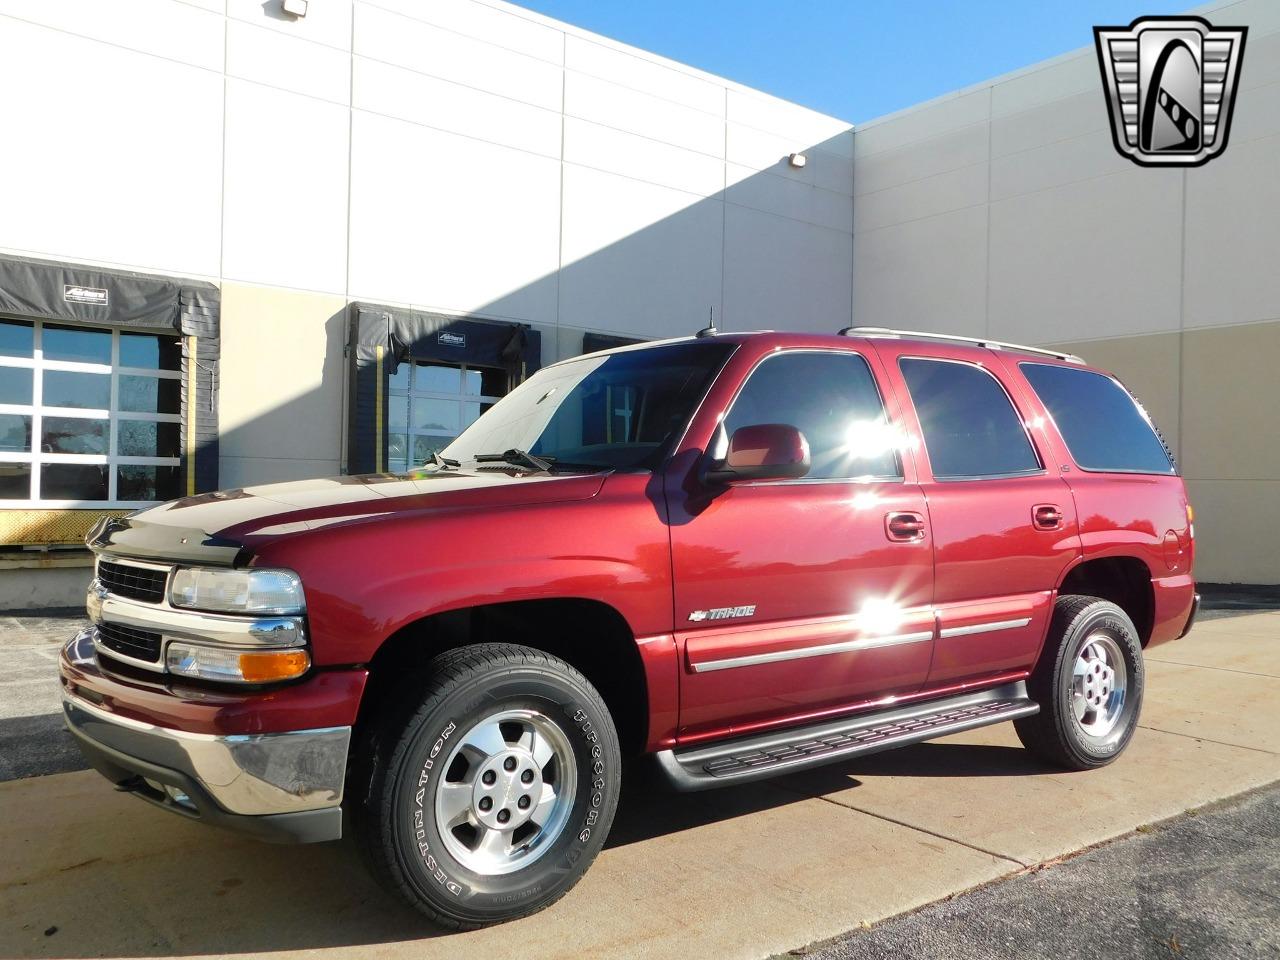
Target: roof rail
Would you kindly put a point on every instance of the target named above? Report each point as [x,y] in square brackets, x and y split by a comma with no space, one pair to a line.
[976,341]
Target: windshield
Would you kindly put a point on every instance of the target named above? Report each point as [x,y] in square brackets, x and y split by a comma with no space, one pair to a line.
[617,411]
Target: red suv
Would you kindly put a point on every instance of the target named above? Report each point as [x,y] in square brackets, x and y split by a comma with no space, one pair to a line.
[744,554]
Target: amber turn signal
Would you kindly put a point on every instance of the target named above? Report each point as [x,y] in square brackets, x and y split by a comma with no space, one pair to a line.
[275,665]
[236,665]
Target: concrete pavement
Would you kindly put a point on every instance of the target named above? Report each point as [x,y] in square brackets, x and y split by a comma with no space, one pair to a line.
[746,872]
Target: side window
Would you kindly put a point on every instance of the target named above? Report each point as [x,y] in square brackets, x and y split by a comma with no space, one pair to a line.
[832,399]
[1104,427]
[969,424]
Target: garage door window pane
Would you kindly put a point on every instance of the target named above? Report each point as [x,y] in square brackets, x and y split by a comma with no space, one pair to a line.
[970,427]
[150,395]
[85,390]
[17,339]
[73,435]
[150,352]
[73,481]
[147,438]
[15,481]
[432,414]
[72,343]
[15,433]
[435,379]
[138,482]
[1103,426]
[15,385]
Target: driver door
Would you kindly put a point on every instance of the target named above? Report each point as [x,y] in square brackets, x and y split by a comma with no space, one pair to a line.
[793,597]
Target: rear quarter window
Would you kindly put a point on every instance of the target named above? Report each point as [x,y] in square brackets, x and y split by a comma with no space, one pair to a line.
[1104,427]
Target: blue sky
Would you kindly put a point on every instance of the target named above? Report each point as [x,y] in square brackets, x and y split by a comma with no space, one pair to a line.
[854,59]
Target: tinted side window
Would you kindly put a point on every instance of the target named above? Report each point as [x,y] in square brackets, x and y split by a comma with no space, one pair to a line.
[832,399]
[1104,427]
[970,427]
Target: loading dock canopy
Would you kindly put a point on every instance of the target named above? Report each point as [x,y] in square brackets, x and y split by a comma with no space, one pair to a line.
[381,338]
[71,293]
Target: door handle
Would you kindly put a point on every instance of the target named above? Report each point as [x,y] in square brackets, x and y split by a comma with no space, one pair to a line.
[1046,516]
[904,526]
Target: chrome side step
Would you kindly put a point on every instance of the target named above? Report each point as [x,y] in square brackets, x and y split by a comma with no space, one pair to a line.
[799,748]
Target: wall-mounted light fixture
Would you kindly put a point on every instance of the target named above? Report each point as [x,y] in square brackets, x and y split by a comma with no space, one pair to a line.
[797,160]
[296,8]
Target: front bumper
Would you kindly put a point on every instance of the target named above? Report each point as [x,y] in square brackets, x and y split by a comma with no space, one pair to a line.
[285,787]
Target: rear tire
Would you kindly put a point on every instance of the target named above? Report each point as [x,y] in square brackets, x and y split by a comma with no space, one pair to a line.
[490,792]
[1089,684]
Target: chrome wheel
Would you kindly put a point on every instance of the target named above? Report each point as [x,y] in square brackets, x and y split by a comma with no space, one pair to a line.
[508,788]
[1099,683]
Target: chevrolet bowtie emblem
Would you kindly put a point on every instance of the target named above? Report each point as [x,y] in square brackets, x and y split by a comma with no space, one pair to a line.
[1170,84]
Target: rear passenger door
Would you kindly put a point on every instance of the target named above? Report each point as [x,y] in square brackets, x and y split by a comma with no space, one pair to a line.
[1002,518]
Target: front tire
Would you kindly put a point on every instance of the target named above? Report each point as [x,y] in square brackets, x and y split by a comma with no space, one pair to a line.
[498,787]
[1089,684]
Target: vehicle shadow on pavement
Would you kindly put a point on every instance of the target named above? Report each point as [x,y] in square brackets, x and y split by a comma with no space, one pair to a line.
[99,889]
[649,808]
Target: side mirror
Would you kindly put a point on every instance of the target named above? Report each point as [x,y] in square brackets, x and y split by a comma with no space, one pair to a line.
[764,451]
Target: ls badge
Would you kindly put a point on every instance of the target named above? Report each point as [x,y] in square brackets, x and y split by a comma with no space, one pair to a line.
[1170,84]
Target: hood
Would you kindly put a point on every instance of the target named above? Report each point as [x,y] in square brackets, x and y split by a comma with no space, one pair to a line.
[225,526]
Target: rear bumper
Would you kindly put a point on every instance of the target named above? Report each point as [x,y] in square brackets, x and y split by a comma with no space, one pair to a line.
[282,786]
[1191,617]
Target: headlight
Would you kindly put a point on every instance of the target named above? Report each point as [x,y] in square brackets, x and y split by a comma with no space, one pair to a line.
[237,591]
[237,665]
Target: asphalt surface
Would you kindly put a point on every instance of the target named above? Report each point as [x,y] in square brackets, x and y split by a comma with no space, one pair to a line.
[33,741]
[1204,885]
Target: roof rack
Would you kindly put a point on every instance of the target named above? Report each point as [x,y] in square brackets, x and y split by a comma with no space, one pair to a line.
[976,341]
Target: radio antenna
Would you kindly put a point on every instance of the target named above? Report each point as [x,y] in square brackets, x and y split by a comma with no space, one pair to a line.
[710,329]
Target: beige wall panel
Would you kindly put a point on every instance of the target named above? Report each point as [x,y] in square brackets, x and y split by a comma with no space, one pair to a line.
[280,403]
[1230,403]
[1149,368]
[1236,524]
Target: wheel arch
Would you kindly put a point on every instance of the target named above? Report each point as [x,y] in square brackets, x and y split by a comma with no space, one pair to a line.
[1125,581]
[590,635]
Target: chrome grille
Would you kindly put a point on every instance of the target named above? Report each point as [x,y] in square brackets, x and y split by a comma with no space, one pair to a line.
[128,642]
[137,583]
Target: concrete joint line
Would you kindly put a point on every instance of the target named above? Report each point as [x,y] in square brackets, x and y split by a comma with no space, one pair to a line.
[1219,743]
[1200,666]
[910,826]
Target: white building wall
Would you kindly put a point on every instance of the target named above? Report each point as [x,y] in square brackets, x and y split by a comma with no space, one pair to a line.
[461,156]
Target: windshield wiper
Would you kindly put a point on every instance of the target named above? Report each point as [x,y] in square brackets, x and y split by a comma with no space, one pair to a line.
[438,461]
[519,458]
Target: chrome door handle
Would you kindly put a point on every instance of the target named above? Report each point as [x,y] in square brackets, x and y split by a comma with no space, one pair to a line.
[1046,516]
[904,526]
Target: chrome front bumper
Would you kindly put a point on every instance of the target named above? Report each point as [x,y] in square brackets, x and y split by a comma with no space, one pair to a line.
[280,786]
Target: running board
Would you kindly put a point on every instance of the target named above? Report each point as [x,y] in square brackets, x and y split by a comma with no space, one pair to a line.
[799,748]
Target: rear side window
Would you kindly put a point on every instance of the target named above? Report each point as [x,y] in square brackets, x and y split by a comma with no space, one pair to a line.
[832,399]
[1104,427]
[970,427]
